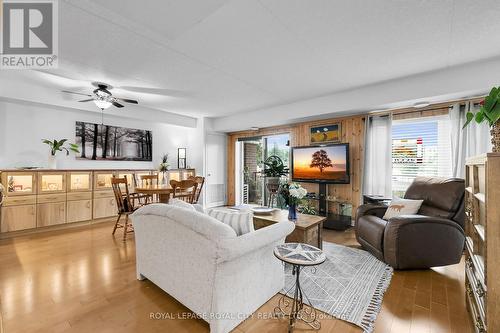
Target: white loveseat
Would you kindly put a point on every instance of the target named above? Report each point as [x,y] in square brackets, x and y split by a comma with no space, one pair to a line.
[201,262]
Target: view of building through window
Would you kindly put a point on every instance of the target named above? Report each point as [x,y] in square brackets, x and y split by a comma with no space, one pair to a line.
[255,151]
[420,147]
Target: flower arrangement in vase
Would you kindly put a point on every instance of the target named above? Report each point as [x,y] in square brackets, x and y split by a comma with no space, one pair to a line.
[292,194]
[490,112]
[163,168]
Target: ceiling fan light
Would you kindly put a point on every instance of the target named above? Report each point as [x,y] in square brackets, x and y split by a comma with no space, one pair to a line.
[102,104]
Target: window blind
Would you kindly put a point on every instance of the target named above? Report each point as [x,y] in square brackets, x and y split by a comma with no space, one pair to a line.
[420,147]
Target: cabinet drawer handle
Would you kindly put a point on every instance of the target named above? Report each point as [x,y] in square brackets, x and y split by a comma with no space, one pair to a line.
[88,204]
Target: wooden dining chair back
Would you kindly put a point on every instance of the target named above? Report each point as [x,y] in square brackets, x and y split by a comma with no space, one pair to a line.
[149,180]
[200,181]
[124,203]
[184,190]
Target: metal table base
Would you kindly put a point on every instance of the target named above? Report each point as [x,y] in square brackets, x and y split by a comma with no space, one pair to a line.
[294,308]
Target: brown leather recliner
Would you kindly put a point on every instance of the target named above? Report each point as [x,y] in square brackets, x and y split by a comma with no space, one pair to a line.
[434,237]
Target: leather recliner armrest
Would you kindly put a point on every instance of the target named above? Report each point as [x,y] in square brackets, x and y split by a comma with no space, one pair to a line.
[416,241]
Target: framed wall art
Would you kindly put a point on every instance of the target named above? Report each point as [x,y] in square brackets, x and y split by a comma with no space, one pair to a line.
[326,134]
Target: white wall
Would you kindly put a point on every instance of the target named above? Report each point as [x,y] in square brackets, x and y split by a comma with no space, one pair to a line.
[24,125]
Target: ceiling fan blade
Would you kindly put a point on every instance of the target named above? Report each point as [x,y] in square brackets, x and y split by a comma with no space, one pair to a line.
[86,100]
[118,105]
[128,100]
[76,93]
[105,90]
[156,91]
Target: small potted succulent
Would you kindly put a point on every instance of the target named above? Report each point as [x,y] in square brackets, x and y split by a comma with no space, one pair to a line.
[163,168]
[490,112]
[57,146]
[292,194]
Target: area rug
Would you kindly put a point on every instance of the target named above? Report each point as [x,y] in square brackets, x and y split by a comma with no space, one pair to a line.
[349,285]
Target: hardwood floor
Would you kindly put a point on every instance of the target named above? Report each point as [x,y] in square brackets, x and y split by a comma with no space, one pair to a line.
[83,280]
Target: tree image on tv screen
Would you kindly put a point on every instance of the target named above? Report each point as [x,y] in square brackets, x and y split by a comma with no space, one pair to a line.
[320,160]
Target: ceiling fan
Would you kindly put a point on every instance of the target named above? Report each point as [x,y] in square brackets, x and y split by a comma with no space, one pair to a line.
[102,97]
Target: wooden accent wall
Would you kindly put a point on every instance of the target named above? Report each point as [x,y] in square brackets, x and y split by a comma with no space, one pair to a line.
[352,130]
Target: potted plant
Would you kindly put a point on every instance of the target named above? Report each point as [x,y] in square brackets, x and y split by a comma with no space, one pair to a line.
[163,168]
[490,112]
[56,146]
[292,194]
[274,169]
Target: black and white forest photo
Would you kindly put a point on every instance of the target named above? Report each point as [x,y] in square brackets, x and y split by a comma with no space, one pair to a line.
[105,142]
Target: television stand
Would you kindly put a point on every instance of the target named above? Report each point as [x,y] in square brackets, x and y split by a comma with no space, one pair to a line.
[333,221]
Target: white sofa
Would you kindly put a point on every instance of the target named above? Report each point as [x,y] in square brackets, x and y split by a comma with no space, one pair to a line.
[201,262]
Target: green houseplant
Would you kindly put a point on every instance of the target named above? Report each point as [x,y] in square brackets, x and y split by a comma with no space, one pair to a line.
[274,168]
[490,112]
[57,146]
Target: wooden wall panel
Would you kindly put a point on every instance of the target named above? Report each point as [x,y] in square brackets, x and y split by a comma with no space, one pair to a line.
[352,128]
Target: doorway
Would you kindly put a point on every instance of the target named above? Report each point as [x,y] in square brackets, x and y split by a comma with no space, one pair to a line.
[250,155]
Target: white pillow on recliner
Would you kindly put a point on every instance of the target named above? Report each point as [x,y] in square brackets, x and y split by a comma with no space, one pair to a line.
[400,206]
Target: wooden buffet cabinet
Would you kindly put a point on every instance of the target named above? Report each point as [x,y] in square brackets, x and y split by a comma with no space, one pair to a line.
[36,199]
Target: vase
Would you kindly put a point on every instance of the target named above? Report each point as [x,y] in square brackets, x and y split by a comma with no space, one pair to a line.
[292,212]
[164,180]
[52,164]
[495,137]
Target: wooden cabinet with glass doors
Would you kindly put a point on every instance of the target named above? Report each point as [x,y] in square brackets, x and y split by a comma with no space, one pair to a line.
[46,198]
[79,196]
[51,198]
[104,203]
[19,208]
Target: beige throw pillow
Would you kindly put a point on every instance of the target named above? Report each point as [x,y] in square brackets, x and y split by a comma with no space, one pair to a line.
[241,222]
[402,207]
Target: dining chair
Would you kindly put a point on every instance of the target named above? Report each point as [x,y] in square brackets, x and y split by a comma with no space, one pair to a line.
[200,181]
[125,203]
[150,180]
[184,190]
[141,198]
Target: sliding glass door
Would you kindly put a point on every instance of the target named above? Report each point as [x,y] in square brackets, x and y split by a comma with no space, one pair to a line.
[250,154]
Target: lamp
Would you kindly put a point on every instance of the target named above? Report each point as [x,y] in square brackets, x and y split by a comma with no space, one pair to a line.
[102,104]
[181,158]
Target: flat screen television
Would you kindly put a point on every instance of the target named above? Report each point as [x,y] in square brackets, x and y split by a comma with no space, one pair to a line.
[321,164]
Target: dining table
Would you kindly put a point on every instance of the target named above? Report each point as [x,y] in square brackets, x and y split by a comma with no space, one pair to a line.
[163,192]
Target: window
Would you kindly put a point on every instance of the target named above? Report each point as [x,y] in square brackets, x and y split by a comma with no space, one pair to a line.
[420,147]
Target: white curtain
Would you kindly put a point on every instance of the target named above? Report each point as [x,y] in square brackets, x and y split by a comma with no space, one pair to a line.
[474,140]
[377,175]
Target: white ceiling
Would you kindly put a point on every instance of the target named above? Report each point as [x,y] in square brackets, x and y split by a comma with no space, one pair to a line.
[220,57]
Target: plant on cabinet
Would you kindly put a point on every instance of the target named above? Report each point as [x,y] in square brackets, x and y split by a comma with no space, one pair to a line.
[490,112]
[57,146]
